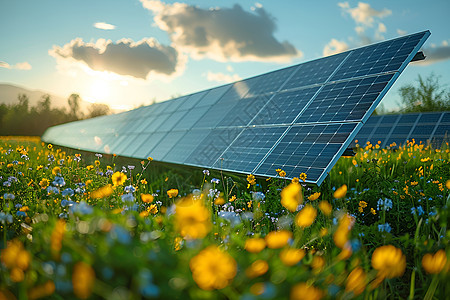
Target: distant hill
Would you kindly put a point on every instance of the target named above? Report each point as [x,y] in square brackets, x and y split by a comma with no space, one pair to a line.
[9,94]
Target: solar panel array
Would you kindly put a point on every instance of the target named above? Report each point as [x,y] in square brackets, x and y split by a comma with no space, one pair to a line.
[426,128]
[300,119]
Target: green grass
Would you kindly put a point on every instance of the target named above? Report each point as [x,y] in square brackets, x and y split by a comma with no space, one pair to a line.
[127,248]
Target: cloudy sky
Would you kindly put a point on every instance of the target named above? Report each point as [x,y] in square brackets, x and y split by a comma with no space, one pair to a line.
[132,52]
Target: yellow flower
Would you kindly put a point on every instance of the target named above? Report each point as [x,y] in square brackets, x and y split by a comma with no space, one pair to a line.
[314,196]
[434,263]
[118,178]
[258,268]
[295,180]
[291,196]
[306,216]
[57,237]
[83,278]
[389,261]
[219,201]
[356,281]
[50,146]
[303,176]
[323,232]
[281,173]
[143,181]
[340,192]
[149,158]
[373,211]
[147,198]
[318,263]
[213,269]
[56,171]
[102,192]
[255,245]
[447,184]
[291,256]
[325,207]
[342,233]
[251,179]
[97,163]
[153,209]
[88,182]
[15,256]
[303,291]
[232,198]
[192,219]
[17,275]
[90,167]
[39,167]
[172,193]
[41,291]
[278,239]
[44,183]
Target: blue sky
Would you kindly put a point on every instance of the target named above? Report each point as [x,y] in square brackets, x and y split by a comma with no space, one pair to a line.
[128,53]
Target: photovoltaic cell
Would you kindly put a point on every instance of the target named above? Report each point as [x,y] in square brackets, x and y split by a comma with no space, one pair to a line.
[284,107]
[300,118]
[425,128]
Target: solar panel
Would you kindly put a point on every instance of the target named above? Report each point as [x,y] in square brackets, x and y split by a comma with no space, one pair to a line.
[426,128]
[300,118]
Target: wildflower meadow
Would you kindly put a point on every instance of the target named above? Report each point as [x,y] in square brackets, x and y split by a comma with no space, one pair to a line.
[78,225]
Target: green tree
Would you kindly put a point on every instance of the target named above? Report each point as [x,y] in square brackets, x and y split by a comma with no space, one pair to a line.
[74,107]
[98,109]
[427,96]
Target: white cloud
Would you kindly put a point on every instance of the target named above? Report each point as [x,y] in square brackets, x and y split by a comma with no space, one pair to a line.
[364,13]
[104,26]
[334,46]
[223,34]
[381,27]
[19,66]
[401,32]
[221,77]
[145,59]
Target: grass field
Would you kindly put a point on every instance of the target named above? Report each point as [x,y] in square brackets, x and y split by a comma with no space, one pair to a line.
[87,226]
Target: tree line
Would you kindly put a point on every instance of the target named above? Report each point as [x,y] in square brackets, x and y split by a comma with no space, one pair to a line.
[21,118]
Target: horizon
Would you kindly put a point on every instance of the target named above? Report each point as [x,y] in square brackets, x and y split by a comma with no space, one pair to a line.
[134,53]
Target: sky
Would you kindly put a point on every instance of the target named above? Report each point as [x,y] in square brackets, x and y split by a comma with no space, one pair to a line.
[128,53]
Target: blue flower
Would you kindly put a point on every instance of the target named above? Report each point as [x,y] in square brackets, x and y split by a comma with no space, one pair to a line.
[384,227]
[21,214]
[128,197]
[230,216]
[215,180]
[420,210]
[67,192]
[5,218]
[385,204]
[59,181]
[258,196]
[52,190]
[65,203]
[18,205]
[206,172]
[8,196]
[129,189]
[82,208]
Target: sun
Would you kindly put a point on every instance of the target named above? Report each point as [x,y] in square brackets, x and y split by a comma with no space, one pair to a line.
[99,91]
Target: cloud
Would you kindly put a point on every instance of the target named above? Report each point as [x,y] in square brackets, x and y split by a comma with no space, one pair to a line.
[436,54]
[221,77]
[145,59]
[223,34]
[19,66]
[401,32]
[104,26]
[364,14]
[335,46]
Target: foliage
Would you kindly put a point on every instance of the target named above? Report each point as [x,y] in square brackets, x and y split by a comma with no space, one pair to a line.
[79,226]
[21,119]
[427,96]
